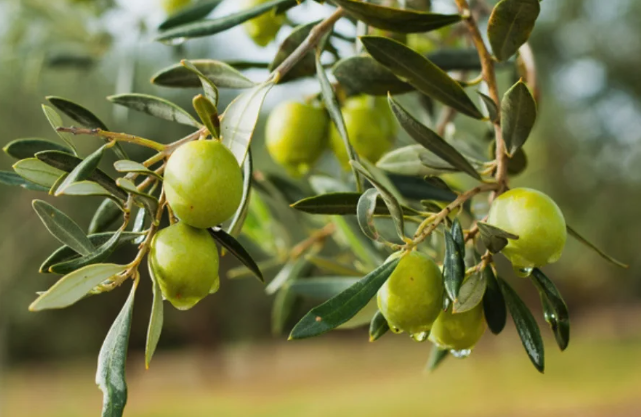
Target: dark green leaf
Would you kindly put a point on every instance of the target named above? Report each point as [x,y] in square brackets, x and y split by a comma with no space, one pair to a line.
[238,220]
[494,303]
[63,228]
[490,105]
[437,182]
[112,358]
[555,310]
[220,73]
[75,286]
[396,20]
[493,238]
[155,320]
[453,266]
[437,355]
[518,114]
[431,140]
[82,171]
[154,106]
[417,189]
[363,75]
[510,25]
[421,73]
[456,59]
[458,236]
[525,325]
[213,26]
[101,254]
[139,225]
[306,66]
[105,215]
[471,293]
[236,249]
[340,204]
[37,172]
[208,114]
[190,13]
[322,288]
[590,245]
[344,306]
[365,213]
[65,162]
[27,148]
[378,327]
[13,179]
[55,121]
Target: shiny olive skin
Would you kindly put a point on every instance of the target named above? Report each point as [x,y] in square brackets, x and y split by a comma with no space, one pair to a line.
[262,29]
[371,128]
[203,183]
[459,331]
[296,135]
[184,262]
[536,220]
[412,297]
[172,6]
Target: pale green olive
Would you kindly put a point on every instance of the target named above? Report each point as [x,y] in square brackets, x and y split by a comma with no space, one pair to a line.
[172,6]
[459,331]
[184,262]
[262,29]
[203,183]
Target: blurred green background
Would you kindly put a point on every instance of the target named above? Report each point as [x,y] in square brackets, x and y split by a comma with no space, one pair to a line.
[220,358]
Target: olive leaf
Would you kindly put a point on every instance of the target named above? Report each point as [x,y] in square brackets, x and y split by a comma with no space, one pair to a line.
[470,294]
[322,287]
[344,306]
[510,25]
[377,327]
[365,213]
[13,179]
[156,318]
[147,200]
[289,272]
[139,225]
[28,147]
[107,213]
[518,114]
[490,105]
[411,161]
[526,326]
[417,189]
[37,172]
[453,266]
[55,121]
[421,73]
[190,13]
[431,140]
[238,220]
[100,255]
[210,89]
[82,171]
[590,245]
[208,114]
[236,249]
[110,376]
[136,167]
[240,118]
[396,20]
[212,26]
[555,310]
[154,106]
[361,74]
[86,188]
[63,228]
[75,286]
[493,303]
[340,203]
[219,73]
[306,66]
[284,305]
[493,238]
[437,356]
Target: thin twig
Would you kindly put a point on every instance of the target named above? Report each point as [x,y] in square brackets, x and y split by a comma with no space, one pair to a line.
[114,136]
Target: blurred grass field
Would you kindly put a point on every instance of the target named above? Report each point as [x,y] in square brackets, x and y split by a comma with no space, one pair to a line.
[340,376]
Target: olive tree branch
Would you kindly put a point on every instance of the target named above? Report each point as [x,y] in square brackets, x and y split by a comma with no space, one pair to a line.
[113,136]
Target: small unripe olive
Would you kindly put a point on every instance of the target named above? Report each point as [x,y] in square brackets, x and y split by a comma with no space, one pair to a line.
[371,128]
[203,183]
[184,261]
[296,135]
[536,220]
[412,297]
[459,331]
[262,29]
[173,6]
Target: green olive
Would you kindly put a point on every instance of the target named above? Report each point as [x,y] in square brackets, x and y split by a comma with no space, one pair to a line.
[184,261]
[459,331]
[172,6]
[536,220]
[262,29]
[412,297]
[203,183]
[371,128]
[296,135]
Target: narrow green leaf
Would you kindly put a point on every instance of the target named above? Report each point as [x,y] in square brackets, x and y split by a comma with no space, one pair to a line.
[283,308]
[510,25]
[518,114]
[147,200]
[490,105]
[74,286]
[155,106]
[219,73]
[105,215]
[396,20]
[55,121]
[240,118]
[235,248]
[453,267]
[322,288]
[139,225]
[238,220]
[289,272]
[82,171]
[15,180]
[525,325]
[344,306]
[190,13]
[494,303]
[101,254]
[437,182]
[110,376]
[37,172]
[212,26]
[208,114]
[306,66]
[409,161]
[590,245]
[133,166]
[421,73]
[458,236]
[341,203]
[63,228]
[493,238]
[88,188]
[361,74]
[437,356]
[27,148]
[471,293]
[365,213]
[555,310]
[431,140]
[155,320]
[416,189]
[378,327]
[210,89]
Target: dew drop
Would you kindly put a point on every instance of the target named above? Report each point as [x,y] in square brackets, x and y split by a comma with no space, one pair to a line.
[463,353]
[174,41]
[420,337]
[395,329]
[522,272]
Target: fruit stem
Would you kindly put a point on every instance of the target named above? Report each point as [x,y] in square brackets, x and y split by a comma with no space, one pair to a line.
[114,136]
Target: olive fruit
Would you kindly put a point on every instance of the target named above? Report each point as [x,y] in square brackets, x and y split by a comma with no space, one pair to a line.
[296,135]
[371,128]
[460,331]
[412,297]
[173,6]
[536,220]
[184,262]
[203,183]
[262,29]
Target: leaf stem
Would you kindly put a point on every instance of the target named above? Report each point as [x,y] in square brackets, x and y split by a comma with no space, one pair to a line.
[118,137]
